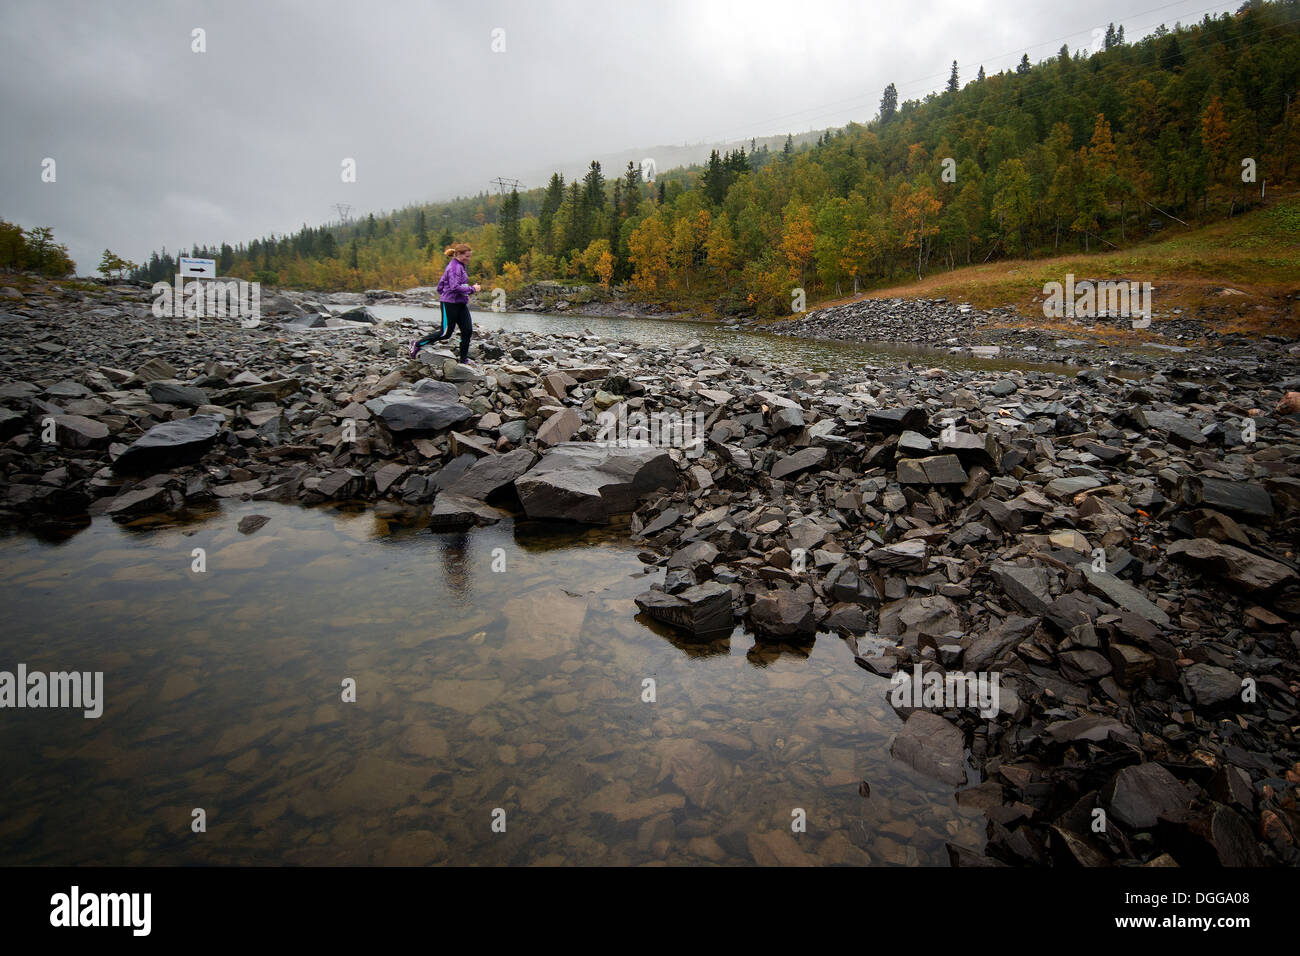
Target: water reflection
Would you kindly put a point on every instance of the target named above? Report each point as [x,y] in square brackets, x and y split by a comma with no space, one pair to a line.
[453,550]
[523,689]
[693,646]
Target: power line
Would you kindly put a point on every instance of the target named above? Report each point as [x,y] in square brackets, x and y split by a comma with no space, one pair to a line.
[866,100]
[1191,46]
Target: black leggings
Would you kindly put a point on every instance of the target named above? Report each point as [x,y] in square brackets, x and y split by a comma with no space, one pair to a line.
[455,315]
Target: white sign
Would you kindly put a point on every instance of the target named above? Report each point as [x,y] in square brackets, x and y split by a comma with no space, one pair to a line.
[198,268]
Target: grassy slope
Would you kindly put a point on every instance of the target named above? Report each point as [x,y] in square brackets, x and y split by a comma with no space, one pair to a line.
[1257,254]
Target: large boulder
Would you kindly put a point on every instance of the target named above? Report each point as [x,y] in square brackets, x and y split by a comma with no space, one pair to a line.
[700,610]
[932,746]
[164,446]
[590,482]
[139,501]
[177,393]
[406,411]
[1029,587]
[77,431]
[783,612]
[488,478]
[1137,795]
[1209,686]
[799,461]
[254,392]
[1123,595]
[453,512]
[897,420]
[359,314]
[1244,569]
[1242,498]
[560,427]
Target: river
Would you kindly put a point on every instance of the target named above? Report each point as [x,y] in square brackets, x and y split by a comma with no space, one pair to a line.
[510,705]
[765,347]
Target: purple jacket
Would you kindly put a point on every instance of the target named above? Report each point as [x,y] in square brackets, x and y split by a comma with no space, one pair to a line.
[454,286]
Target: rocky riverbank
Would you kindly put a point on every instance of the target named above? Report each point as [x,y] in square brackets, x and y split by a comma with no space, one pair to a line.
[1172,337]
[1121,555]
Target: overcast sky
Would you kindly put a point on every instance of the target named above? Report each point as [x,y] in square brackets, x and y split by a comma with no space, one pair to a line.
[156,145]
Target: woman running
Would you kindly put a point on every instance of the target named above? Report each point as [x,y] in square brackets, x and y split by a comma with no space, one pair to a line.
[454,290]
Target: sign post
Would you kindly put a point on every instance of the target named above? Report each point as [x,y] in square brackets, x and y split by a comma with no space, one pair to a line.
[192,268]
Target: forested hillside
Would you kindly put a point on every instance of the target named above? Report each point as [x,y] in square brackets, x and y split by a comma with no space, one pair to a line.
[1082,152]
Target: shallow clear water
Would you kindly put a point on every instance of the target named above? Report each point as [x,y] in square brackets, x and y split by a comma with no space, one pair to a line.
[477,691]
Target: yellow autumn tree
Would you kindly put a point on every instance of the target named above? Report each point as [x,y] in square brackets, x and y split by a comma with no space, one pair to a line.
[720,249]
[797,239]
[647,249]
[915,212]
[591,255]
[512,277]
[1102,156]
[605,268]
[1214,134]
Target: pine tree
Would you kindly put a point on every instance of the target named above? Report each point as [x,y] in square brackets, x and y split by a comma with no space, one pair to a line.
[593,187]
[953,85]
[616,221]
[631,188]
[328,247]
[352,254]
[1171,55]
[713,180]
[421,230]
[551,201]
[109,262]
[593,202]
[888,104]
[788,149]
[979,77]
[512,246]
[574,238]
[370,226]
[1024,66]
